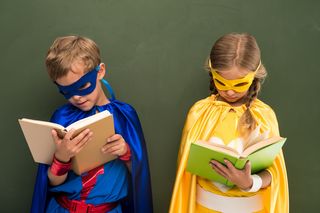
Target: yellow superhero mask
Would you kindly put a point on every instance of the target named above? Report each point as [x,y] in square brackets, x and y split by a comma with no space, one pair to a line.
[238,85]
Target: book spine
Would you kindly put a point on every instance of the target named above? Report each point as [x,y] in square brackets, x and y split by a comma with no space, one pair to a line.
[240,163]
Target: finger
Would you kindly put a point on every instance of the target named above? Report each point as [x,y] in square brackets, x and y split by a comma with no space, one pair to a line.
[114,137]
[81,136]
[247,168]
[111,144]
[112,149]
[84,140]
[82,144]
[220,167]
[55,136]
[119,151]
[120,148]
[69,134]
[230,166]
[218,170]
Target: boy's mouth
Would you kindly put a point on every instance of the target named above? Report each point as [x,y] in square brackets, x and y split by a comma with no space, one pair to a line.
[82,103]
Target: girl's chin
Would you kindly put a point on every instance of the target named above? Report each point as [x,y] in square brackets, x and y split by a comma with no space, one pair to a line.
[231,99]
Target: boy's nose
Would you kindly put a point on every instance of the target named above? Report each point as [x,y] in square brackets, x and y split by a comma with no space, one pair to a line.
[76,97]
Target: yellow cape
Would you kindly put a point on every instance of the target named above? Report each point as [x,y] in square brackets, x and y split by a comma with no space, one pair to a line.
[200,124]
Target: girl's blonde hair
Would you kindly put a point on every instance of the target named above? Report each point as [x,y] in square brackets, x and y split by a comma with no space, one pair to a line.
[66,50]
[240,50]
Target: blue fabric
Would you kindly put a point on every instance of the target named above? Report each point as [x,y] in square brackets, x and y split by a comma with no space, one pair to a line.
[107,85]
[111,186]
[76,88]
[55,208]
[127,124]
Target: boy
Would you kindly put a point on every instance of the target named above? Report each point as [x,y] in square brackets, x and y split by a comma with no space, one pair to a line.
[74,64]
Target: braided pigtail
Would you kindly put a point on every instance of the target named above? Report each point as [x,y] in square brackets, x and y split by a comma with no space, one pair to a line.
[247,123]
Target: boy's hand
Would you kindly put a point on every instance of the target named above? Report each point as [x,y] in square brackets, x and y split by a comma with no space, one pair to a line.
[241,178]
[115,145]
[66,147]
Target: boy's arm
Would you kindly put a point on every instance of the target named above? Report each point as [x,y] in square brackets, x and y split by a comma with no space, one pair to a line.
[55,179]
[116,145]
[66,148]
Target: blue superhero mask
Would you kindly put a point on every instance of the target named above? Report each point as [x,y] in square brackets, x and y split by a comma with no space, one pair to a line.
[84,86]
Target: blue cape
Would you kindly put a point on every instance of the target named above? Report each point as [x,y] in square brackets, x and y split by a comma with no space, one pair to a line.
[127,124]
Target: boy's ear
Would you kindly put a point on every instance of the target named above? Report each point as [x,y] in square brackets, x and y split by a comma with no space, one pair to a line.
[102,71]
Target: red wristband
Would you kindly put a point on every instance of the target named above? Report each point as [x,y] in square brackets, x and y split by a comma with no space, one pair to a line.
[59,168]
[127,156]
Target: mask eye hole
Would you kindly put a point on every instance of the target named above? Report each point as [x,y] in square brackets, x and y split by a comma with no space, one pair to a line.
[85,86]
[219,82]
[241,84]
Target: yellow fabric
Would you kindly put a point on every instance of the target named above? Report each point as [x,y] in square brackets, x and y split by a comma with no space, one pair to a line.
[230,122]
[201,122]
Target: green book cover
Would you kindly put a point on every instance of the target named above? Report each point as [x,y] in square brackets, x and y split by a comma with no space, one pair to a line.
[260,154]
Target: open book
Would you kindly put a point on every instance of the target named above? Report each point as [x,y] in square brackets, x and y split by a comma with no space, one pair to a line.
[41,144]
[260,151]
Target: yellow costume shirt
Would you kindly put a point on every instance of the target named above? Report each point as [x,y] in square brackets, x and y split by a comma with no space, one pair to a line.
[208,118]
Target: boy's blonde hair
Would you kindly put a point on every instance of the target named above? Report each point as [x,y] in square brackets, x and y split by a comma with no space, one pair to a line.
[66,50]
[240,50]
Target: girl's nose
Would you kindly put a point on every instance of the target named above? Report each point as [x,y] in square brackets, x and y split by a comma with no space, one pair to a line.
[230,92]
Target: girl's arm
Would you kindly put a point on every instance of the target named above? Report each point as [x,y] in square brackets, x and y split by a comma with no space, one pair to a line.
[241,178]
[266,178]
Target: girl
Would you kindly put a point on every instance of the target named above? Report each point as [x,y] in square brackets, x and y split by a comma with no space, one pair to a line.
[231,112]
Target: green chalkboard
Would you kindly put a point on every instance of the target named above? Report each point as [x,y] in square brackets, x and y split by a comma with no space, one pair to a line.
[155,51]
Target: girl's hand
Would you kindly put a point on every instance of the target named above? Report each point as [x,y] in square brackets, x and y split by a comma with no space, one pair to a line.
[115,145]
[66,147]
[241,178]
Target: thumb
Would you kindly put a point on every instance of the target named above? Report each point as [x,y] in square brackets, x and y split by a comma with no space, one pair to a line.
[247,168]
[55,137]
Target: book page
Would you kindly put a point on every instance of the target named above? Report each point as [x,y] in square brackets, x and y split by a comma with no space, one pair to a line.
[235,145]
[88,120]
[220,148]
[33,122]
[260,145]
[255,136]
[39,139]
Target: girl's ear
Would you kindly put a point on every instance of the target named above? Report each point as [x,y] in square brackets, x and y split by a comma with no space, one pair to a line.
[102,71]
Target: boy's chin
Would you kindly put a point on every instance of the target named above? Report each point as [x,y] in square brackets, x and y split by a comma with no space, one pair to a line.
[86,107]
